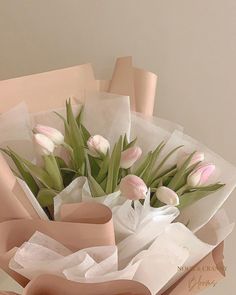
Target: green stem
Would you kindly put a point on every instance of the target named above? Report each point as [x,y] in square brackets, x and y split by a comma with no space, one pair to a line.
[182,190]
[157,203]
[153,201]
[54,172]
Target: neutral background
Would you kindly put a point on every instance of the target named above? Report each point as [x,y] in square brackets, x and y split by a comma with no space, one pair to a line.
[190,44]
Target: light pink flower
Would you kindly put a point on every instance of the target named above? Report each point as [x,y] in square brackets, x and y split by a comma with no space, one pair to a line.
[97,144]
[133,187]
[200,175]
[130,156]
[197,157]
[167,196]
[55,135]
[45,145]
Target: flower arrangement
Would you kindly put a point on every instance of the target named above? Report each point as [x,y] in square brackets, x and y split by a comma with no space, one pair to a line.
[99,199]
[111,170]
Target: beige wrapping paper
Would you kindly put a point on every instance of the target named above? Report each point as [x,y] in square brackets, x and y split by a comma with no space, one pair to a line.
[52,285]
[14,202]
[83,225]
[17,216]
[50,90]
[47,90]
[206,274]
[11,207]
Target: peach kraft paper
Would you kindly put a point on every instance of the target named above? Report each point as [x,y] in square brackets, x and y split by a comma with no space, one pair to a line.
[91,221]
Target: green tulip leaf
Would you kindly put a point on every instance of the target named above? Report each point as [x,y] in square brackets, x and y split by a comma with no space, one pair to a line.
[125,142]
[79,117]
[159,167]
[176,180]
[114,167]
[38,172]
[164,176]
[129,145]
[96,189]
[53,169]
[25,175]
[76,138]
[197,194]
[45,197]
[85,133]
[60,162]
[104,169]
[147,175]
[144,164]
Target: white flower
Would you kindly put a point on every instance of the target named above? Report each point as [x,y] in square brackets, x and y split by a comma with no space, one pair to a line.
[55,135]
[97,144]
[130,156]
[167,196]
[200,175]
[45,144]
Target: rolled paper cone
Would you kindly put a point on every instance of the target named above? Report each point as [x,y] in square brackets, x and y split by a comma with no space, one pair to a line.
[53,285]
[138,84]
[103,85]
[122,81]
[84,225]
[145,90]
[206,274]
[17,204]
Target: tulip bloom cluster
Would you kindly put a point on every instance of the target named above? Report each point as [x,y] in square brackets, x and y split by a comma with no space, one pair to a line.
[198,176]
[108,169]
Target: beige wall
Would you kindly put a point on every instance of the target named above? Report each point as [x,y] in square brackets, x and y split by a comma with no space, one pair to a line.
[191,44]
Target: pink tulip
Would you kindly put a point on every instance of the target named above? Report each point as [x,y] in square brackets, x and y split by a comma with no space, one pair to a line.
[130,156]
[197,157]
[97,144]
[167,196]
[45,145]
[133,187]
[55,135]
[200,175]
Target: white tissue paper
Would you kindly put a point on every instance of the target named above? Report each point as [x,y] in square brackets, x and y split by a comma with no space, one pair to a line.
[157,267]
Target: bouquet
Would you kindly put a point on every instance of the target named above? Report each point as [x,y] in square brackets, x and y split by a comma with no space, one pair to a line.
[98,196]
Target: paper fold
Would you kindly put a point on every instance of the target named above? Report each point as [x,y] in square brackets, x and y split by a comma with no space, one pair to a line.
[91,225]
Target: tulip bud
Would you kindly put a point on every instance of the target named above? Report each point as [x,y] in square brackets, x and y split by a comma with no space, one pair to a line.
[129,157]
[167,196]
[200,175]
[52,133]
[45,144]
[97,144]
[133,187]
[197,157]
